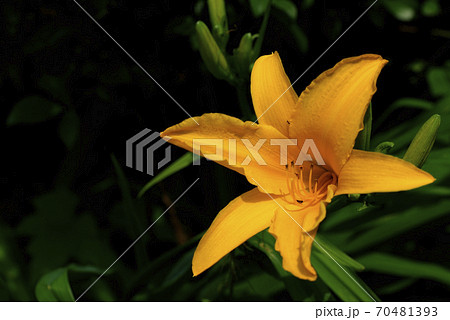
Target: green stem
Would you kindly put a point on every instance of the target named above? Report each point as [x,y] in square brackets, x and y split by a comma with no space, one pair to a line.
[243,102]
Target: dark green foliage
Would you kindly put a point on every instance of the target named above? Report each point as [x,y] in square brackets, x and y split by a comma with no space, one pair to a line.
[69,206]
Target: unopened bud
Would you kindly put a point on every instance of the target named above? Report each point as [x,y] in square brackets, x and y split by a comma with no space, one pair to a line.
[354,196]
[421,145]
[384,147]
[243,54]
[211,54]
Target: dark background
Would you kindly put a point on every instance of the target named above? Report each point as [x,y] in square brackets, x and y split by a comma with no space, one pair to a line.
[53,50]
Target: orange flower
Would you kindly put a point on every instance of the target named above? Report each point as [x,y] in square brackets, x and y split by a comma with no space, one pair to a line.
[330,112]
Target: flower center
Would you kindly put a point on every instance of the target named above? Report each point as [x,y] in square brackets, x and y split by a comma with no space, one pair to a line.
[307,184]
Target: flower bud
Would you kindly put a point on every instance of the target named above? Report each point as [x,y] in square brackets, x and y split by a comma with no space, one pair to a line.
[211,54]
[384,147]
[243,54]
[421,145]
[354,196]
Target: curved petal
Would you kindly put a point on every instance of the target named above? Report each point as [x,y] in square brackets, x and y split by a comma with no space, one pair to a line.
[367,172]
[294,232]
[273,97]
[241,219]
[331,110]
[227,140]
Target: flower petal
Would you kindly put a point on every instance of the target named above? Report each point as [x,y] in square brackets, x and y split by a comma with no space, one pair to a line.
[367,172]
[273,97]
[271,173]
[331,110]
[241,219]
[294,233]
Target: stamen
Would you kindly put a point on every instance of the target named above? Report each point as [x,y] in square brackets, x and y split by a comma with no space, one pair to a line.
[310,176]
[292,191]
[301,195]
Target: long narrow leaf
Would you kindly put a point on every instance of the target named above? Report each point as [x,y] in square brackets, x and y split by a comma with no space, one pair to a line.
[130,209]
[55,287]
[325,246]
[341,279]
[392,225]
[299,290]
[176,166]
[398,266]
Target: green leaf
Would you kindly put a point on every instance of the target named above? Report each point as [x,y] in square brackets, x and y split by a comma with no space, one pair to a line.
[439,81]
[402,134]
[299,290]
[258,7]
[54,286]
[307,3]
[179,269]
[299,36]
[130,209]
[431,8]
[265,242]
[437,163]
[341,279]
[413,103]
[257,286]
[403,10]
[403,267]
[33,109]
[333,267]
[326,247]
[59,234]
[156,271]
[394,221]
[396,286]
[173,168]
[295,32]
[341,217]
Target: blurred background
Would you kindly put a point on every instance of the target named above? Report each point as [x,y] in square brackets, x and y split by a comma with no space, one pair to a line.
[71,98]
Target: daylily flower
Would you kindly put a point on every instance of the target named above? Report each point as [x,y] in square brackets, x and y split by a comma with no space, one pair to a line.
[330,111]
